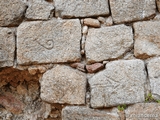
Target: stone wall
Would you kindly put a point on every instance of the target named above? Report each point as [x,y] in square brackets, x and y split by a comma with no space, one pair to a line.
[79,60]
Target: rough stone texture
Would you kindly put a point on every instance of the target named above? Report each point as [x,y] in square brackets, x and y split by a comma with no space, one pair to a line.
[39,10]
[79,66]
[108,43]
[158,5]
[94,67]
[132,10]
[7,47]
[92,22]
[153,67]
[49,41]
[147,39]
[84,113]
[11,12]
[63,84]
[81,8]
[143,111]
[122,82]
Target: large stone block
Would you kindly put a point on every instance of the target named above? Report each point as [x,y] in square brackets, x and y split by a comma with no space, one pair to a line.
[81,8]
[63,84]
[132,10]
[153,67]
[84,113]
[49,41]
[147,39]
[39,10]
[143,111]
[11,12]
[122,82]
[7,47]
[108,43]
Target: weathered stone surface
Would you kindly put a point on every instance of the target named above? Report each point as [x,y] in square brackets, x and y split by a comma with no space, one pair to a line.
[63,84]
[81,8]
[158,4]
[84,113]
[122,82]
[94,67]
[11,103]
[39,10]
[147,39]
[92,22]
[11,12]
[7,47]
[108,43]
[48,41]
[132,10]
[79,66]
[109,21]
[143,111]
[153,67]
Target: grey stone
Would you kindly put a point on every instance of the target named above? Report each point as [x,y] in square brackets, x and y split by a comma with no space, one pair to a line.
[108,43]
[153,67]
[147,39]
[49,41]
[132,10]
[7,47]
[39,10]
[122,82]
[11,12]
[84,113]
[81,8]
[63,84]
[143,111]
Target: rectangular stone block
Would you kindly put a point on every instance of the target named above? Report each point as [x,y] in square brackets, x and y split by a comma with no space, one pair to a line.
[143,111]
[132,10]
[51,41]
[153,67]
[84,113]
[147,39]
[108,43]
[7,47]
[122,82]
[81,8]
[63,84]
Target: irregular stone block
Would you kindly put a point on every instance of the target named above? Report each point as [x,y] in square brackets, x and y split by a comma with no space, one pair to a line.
[153,67]
[143,111]
[94,67]
[132,10]
[49,41]
[92,22]
[108,43]
[81,8]
[39,10]
[147,39]
[122,82]
[11,12]
[7,47]
[84,113]
[62,84]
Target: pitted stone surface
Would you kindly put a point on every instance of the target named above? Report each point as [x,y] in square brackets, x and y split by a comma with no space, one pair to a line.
[7,47]
[154,77]
[122,82]
[49,41]
[84,113]
[108,43]
[81,8]
[143,111]
[39,10]
[63,84]
[132,10]
[147,39]
[11,12]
